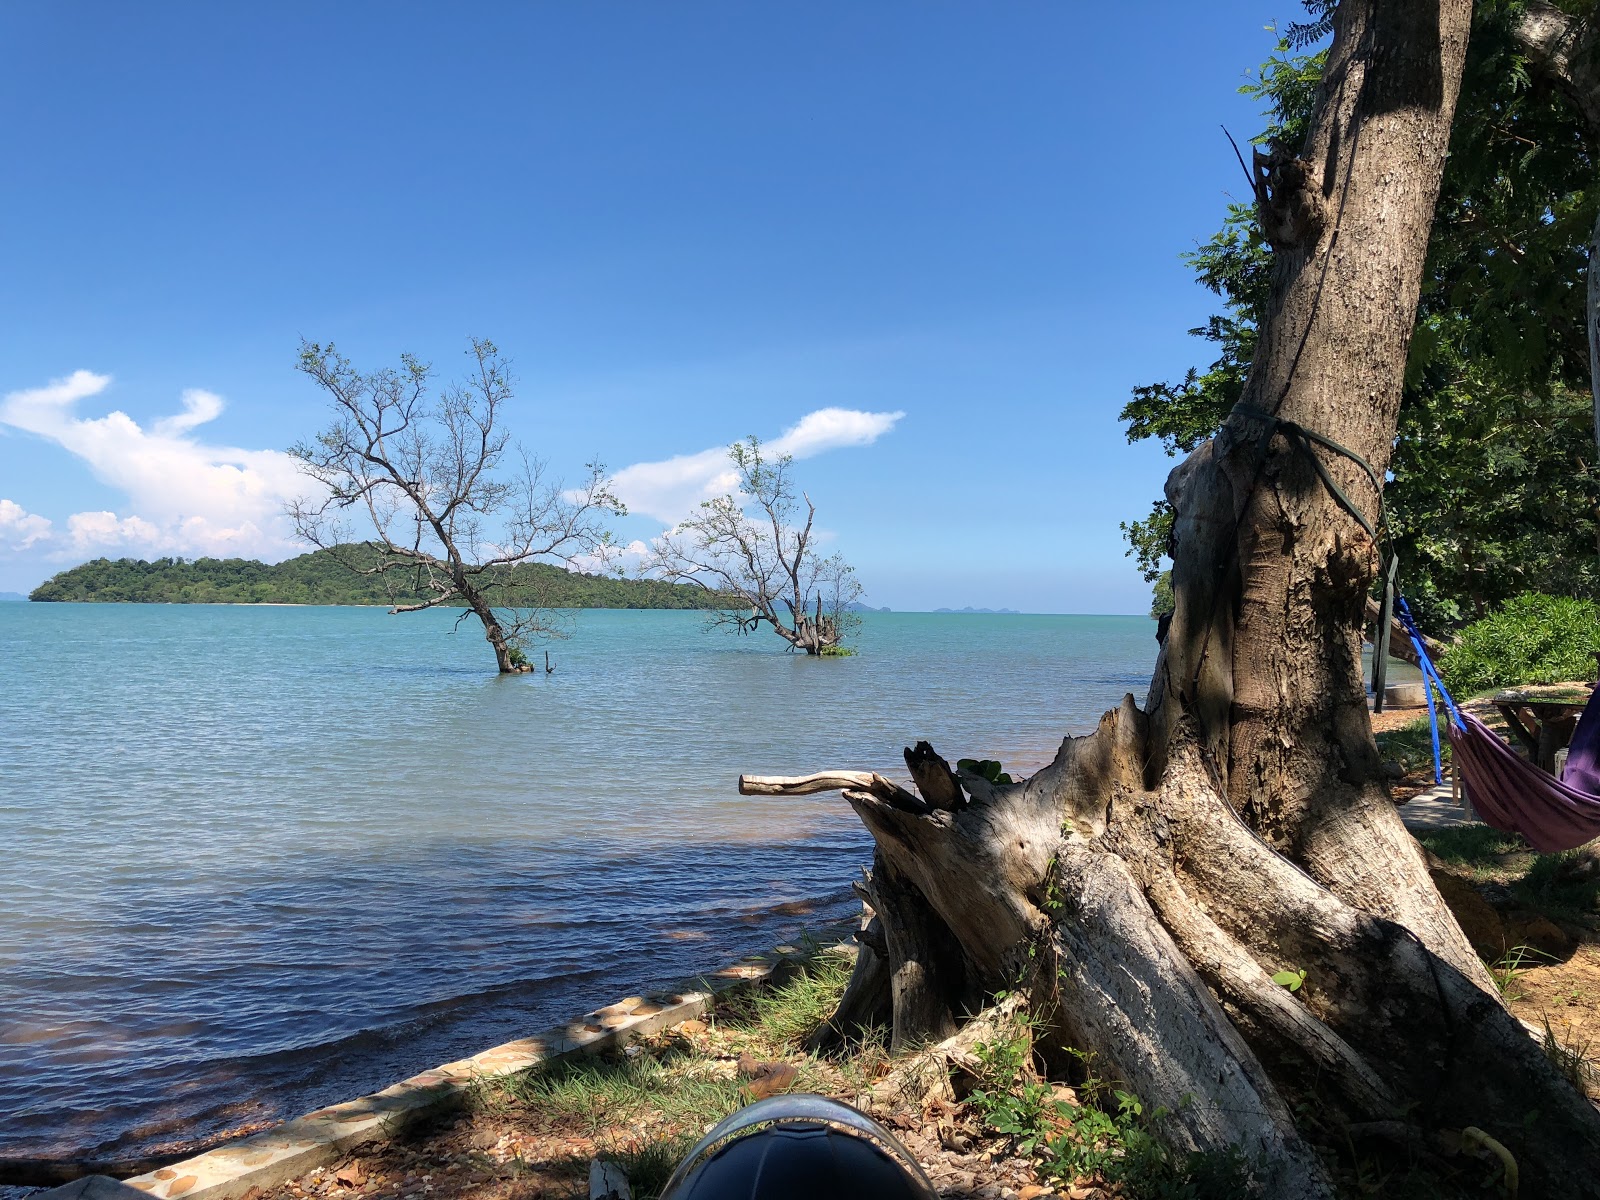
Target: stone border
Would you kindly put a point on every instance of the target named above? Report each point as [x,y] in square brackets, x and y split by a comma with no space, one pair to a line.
[328,1135]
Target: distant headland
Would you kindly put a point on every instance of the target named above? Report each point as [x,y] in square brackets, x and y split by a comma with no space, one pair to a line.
[316,578]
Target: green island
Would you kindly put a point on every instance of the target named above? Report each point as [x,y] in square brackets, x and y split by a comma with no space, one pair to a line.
[317,578]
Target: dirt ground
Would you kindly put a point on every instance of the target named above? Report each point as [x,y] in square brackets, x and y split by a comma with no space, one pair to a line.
[1566,995]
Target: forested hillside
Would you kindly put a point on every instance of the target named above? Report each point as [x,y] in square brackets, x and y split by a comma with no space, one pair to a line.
[317,579]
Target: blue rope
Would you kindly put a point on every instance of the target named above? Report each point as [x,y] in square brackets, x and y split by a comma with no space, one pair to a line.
[1430,680]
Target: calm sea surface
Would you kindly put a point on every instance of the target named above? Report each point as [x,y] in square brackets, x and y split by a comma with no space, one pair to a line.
[256,859]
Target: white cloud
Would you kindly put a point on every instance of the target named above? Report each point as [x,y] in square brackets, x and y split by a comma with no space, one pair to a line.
[89,531]
[672,489]
[19,528]
[187,496]
[831,428]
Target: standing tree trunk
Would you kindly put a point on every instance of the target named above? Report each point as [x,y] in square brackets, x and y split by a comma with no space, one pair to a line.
[1150,881]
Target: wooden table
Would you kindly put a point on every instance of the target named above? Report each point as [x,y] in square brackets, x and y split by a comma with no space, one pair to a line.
[1542,718]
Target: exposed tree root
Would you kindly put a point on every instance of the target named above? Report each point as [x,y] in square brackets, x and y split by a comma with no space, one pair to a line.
[1151,922]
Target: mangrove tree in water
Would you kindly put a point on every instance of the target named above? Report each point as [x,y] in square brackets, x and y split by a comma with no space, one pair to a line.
[757,548]
[422,488]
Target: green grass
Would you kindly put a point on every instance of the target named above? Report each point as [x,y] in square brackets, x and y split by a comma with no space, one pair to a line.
[649,1167]
[1509,969]
[1563,885]
[1572,1060]
[1411,745]
[593,1094]
[666,1092]
[786,1015]
[1474,845]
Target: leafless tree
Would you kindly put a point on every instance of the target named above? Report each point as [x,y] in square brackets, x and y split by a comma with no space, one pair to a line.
[424,487]
[758,549]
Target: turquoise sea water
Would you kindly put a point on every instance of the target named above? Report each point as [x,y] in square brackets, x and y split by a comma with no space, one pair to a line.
[257,859]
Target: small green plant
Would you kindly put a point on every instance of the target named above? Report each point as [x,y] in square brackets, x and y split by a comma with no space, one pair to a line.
[837,651]
[1534,638]
[1508,970]
[1111,1137]
[987,768]
[516,657]
[1293,980]
[1571,1059]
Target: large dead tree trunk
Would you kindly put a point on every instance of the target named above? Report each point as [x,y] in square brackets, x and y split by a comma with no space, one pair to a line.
[1165,866]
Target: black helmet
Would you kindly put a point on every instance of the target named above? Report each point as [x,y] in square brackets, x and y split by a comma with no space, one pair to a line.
[798,1147]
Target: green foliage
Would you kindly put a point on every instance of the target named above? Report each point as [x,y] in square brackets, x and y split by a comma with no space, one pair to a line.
[987,768]
[1495,487]
[1534,638]
[317,578]
[1293,980]
[1112,1137]
[1150,540]
[1508,970]
[836,652]
[1162,601]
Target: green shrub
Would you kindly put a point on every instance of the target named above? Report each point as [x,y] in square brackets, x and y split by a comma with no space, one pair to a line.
[1533,639]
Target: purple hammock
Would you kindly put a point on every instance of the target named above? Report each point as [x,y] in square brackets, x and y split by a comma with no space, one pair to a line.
[1513,794]
[1507,790]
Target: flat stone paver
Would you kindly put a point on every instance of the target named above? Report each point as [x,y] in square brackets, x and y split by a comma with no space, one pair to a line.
[1433,810]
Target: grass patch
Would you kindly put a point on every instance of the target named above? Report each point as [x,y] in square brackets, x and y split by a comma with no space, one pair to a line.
[1565,884]
[646,1104]
[593,1094]
[785,1015]
[1412,745]
[1474,845]
[649,1167]
[1572,1060]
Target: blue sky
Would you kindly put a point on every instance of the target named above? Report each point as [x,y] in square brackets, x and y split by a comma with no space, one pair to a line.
[684,222]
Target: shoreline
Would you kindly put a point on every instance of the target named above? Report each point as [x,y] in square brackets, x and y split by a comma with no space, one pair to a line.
[324,1136]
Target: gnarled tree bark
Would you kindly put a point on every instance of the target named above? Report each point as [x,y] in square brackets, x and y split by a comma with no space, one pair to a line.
[1149,882]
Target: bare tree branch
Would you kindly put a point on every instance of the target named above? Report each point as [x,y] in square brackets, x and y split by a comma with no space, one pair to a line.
[767,562]
[425,468]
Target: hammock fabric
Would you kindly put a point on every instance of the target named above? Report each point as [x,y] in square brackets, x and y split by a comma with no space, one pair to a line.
[1513,794]
[1507,790]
